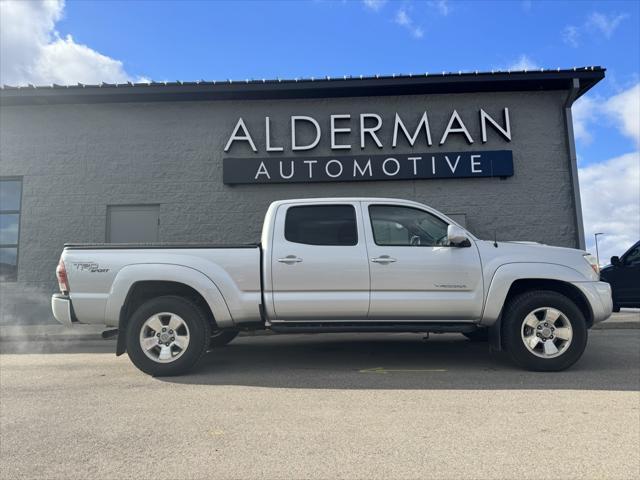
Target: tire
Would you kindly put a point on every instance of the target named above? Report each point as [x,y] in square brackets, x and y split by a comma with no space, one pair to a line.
[220,338]
[192,330]
[524,318]
[479,335]
[616,308]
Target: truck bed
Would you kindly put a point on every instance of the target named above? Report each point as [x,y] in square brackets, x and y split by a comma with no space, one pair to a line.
[156,245]
[102,274]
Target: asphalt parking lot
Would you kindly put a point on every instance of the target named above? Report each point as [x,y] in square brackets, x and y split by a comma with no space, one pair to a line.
[321,406]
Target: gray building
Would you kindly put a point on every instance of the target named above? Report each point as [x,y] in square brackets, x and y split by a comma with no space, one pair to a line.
[201,161]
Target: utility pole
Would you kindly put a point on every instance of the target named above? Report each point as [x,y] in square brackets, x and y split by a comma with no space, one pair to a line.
[597,253]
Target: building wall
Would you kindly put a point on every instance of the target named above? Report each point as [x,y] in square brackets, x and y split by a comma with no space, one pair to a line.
[77,159]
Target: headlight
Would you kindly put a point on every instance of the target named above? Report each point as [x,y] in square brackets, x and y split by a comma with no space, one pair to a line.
[591,260]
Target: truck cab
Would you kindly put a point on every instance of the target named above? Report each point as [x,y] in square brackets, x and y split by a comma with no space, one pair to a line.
[370,260]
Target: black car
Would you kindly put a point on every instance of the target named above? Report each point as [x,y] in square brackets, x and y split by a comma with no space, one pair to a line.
[624,276]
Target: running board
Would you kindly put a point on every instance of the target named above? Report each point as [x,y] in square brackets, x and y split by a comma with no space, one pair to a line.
[408,327]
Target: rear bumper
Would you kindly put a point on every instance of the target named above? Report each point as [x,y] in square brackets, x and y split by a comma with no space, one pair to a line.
[598,295]
[62,309]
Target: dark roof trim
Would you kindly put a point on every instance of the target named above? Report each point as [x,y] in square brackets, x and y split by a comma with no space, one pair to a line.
[306,88]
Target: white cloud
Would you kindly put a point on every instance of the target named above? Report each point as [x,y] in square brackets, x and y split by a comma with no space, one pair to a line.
[584,112]
[442,6]
[524,63]
[596,22]
[610,190]
[571,35]
[31,50]
[610,193]
[374,5]
[624,109]
[403,19]
[605,24]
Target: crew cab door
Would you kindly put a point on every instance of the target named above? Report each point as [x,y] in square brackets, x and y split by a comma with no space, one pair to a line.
[319,263]
[415,273]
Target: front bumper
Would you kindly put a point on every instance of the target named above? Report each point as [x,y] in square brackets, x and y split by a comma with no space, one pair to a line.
[62,309]
[598,295]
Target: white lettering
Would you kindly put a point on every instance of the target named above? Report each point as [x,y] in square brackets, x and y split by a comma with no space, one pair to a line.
[356,167]
[415,166]
[292,171]
[460,129]
[506,131]
[433,165]
[262,170]
[452,167]
[244,137]
[302,118]
[310,163]
[335,130]
[424,121]
[384,166]
[475,164]
[326,168]
[370,130]
[267,134]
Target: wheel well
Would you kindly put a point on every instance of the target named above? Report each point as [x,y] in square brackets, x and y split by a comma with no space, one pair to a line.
[140,292]
[566,289]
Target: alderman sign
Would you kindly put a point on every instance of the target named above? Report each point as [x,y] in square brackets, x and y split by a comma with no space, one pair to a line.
[349,132]
[496,163]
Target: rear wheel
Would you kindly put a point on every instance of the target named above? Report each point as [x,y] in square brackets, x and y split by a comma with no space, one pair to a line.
[167,335]
[544,331]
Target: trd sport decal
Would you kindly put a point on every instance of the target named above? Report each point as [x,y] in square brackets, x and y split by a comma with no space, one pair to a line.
[89,267]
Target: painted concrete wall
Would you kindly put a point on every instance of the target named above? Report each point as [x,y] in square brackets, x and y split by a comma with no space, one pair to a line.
[77,159]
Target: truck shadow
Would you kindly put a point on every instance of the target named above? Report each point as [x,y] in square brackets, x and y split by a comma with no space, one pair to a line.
[405,361]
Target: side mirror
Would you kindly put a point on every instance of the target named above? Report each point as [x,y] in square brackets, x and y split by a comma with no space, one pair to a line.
[615,261]
[457,236]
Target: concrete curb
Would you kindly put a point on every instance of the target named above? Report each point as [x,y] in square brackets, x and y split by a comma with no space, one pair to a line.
[60,333]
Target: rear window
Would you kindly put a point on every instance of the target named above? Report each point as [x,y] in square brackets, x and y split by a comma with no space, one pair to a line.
[322,225]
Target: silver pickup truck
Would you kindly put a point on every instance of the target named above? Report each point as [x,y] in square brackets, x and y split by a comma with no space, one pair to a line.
[336,265]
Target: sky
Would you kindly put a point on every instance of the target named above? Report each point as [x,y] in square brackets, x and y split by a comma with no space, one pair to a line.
[44,42]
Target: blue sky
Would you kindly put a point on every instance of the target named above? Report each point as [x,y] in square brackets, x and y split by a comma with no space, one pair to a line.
[52,41]
[216,39]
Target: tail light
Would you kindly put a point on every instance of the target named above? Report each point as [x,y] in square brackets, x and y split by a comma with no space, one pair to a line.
[63,280]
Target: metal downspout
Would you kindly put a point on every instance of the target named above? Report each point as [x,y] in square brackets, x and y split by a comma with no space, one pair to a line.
[571,146]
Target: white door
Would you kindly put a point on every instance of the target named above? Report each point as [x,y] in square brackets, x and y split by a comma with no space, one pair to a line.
[319,263]
[415,274]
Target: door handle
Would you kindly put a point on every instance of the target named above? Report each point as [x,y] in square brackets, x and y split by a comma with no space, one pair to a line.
[383,259]
[290,259]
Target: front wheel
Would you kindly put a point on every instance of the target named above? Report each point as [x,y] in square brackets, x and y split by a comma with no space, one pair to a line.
[544,331]
[167,335]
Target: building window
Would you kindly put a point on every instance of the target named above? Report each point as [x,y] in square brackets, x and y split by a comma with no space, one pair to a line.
[10,203]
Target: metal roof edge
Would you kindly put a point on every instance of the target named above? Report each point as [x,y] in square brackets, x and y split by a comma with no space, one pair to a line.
[325,87]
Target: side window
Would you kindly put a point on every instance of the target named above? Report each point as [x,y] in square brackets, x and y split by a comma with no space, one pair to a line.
[10,207]
[322,225]
[406,226]
[633,257]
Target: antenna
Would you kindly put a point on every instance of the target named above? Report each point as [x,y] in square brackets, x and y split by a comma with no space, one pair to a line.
[495,238]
